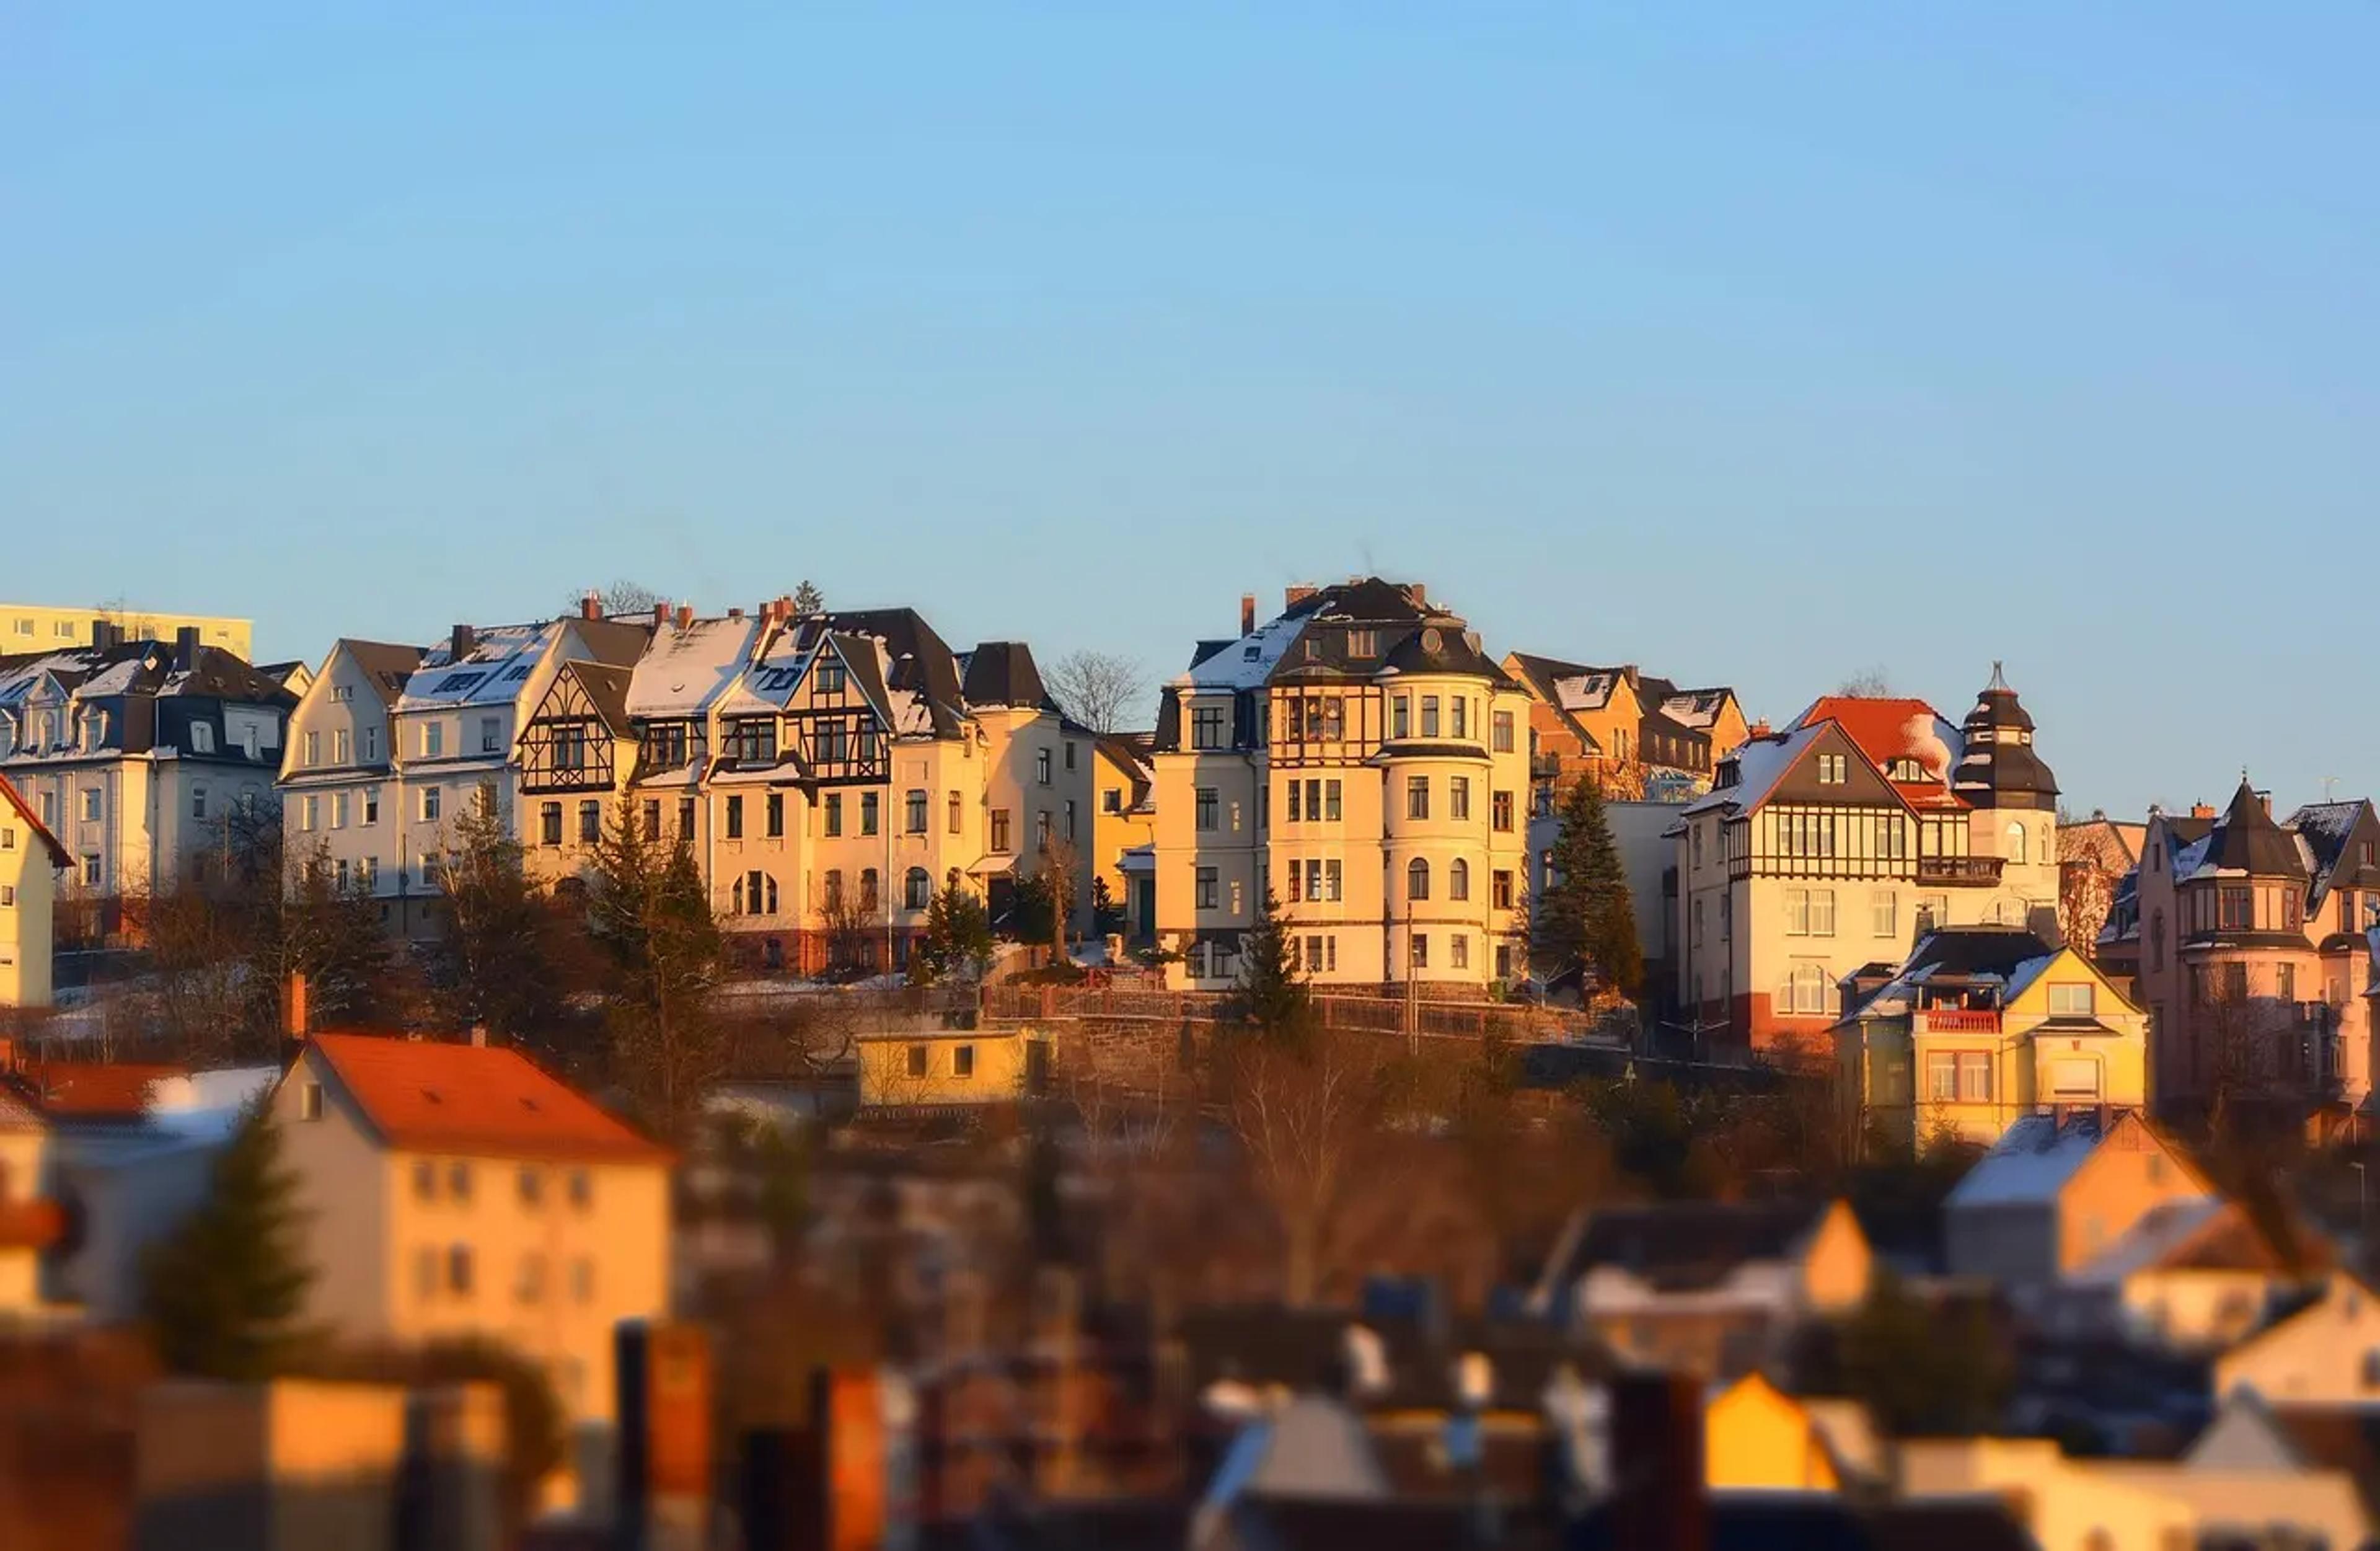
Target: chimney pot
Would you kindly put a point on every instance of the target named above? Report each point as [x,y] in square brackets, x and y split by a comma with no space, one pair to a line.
[295,1022]
[660,615]
[1247,613]
[590,607]
[736,612]
[2201,810]
[685,616]
[459,644]
[479,1036]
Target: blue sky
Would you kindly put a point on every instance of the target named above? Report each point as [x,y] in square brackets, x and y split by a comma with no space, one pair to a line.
[1758,343]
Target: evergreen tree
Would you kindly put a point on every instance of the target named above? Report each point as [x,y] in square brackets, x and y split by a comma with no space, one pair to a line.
[807,600]
[1274,998]
[648,908]
[490,961]
[957,939]
[1584,915]
[222,1294]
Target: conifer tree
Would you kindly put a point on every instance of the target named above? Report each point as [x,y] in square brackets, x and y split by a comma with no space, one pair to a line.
[222,1294]
[957,937]
[492,967]
[1274,997]
[1584,914]
[809,600]
[649,908]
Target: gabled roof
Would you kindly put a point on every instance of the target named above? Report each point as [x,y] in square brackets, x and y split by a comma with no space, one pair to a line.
[495,664]
[477,1100]
[607,689]
[13,799]
[385,665]
[1890,728]
[2002,959]
[1683,1245]
[1759,763]
[94,1091]
[2335,833]
[2035,1157]
[685,670]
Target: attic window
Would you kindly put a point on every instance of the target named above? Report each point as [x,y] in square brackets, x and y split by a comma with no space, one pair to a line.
[1363,643]
[456,683]
[310,1102]
[1906,770]
[1250,653]
[518,671]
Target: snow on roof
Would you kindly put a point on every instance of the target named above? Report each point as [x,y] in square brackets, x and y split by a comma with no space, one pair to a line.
[492,671]
[207,1104]
[2165,1228]
[1584,691]
[1248,661]
[1761,762]
[2033,1160]
[2191,858]
[1697,709]
[2023,975]
[684,671]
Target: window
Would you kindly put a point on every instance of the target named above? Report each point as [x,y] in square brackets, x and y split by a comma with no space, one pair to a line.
[1502,724]
[1420,951]
[963,1061]
[548,824]
[1458,881]
[310,1102]
[1207,889]
[2016,845]
[2284,987]
[1332,879]
[1418,879]
[1206,806]
[752,739]
[1042,766]
[92,801]
[2073,1000]
[432,800]
[1400,714]
[458,1270]
[1462,718]
[569,746]
[652,818]
[371,805]
[582,1189]
[916,889]
[492,734]
[1416,796]
[1112,800]
[1458,795]
[1329,802]
[458,1181]
[1831,770]
[1809,912]
[1942,1076]
[313,746]
[1041,829]
[1208,729]
[1503,960]
[7,894]
[1500,807]
[833,815]
[1974,1076]
[1805,990]
[1070,818]
[591,821]
[309,812]
[1500,888]
[433,739]
[528,1286]
[920,1060]
[91,876]
[871,890]
[1458,950]
[1000,845]
[2238,907]
[915,804]
[532,1187]
[736,817]
[958,812]
[870,816]
[1884,907]
[1429,715]
[685,818]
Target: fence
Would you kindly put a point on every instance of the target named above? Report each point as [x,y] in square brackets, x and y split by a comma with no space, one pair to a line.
[1432,1018]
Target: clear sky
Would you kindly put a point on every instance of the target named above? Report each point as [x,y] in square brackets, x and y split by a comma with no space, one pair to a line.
[1757,343]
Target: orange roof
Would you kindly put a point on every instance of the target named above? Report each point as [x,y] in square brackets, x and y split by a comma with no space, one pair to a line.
[15,799]
[426,1097]
[1890,728]
[93,1089]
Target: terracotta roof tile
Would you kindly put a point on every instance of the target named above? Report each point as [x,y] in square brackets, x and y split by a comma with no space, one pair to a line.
[477,1101]
[93,1089]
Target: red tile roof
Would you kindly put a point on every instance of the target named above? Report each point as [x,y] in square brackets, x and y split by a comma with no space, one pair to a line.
[11,797]
[93,1089]
[1887,729]
[427,1096]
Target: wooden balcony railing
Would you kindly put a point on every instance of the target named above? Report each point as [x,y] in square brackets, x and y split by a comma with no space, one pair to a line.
[1959,1020]
[1960,871]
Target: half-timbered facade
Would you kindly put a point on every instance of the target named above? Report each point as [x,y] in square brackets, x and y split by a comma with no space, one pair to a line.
[576,754]
[1359,757]
[1830,845]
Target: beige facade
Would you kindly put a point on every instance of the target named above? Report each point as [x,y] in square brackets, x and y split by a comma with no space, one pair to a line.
[1123,818]
[454,1193]
[1821,848]
[2325,1355]
[2058,1191]
[31,862]
[45,627]
[948,1069]
[1361,759]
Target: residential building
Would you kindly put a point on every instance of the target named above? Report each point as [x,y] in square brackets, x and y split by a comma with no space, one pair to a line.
[2058,1191]
[1979,1026]
[140,756]
[1649,857]
[391,742]
[1362,759]
[2254,958]
[2095,856]
[2323,1356]
[944,1068]
[1717,1288]
[31,862]
[1757,1437]
[1641,739]
[455,1192]
[1838,839]
[33,629]
[1124,821]
[2193,1277]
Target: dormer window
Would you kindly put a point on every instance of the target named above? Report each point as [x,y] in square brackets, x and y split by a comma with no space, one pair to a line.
[1905,769]
[832,677]
[1363,643]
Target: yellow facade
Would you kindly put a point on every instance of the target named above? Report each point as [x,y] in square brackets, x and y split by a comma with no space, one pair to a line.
[1120,820]
[28,884]
[42,627]
[942,1068]
[1758,1439]
[1838,1263]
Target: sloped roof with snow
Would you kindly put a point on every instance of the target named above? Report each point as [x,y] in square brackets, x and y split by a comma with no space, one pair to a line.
[684,672]
[1760,763]
[2038,1153]
[2003,959]
[491,673]
[1890,728]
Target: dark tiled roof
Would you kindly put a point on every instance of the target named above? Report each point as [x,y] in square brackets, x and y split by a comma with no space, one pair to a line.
[2336,833]
[922,661]
[386,663]
[2247,840]
[1683,1245]
[1367,600]
[1002,673]
[607,688]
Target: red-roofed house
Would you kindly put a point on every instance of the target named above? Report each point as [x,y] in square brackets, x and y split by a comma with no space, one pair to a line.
[30,860]
[1820,848]
[456,1190]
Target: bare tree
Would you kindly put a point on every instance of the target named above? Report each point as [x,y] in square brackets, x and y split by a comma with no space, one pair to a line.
[1100,689]
[624,596]
[1868,683]
[1304,1111]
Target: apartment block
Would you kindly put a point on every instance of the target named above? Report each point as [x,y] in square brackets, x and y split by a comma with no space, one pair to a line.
[1362,760]
[35,627]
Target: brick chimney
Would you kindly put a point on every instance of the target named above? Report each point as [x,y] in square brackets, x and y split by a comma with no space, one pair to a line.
[295,1020]
[590,605]
[186,649]
[685,616]
[2201,810]
[459,644]
[1247,613]
[1759,729]
[1420,593]
[2266,798]
[736,611]
[1297,593]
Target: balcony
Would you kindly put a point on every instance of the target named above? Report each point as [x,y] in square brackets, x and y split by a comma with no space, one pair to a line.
[1959,1020]
[1960,871]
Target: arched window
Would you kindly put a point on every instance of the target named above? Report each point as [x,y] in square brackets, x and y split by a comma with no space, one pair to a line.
[1805,990]
[916,889]
[1418,879]
[1458,879]
[2016,845]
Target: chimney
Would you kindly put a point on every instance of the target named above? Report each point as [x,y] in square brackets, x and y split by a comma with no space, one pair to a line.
[186,649]
[1420,593]
[661,615]
[294,1019]
[736,611]
[590,607]
[2201,810]
[1247,613]
[479,1036]
[685,616]
[2266,799]
[1295,594]
[8,1053]
[1759,729]
[1659,1501]
[459,644]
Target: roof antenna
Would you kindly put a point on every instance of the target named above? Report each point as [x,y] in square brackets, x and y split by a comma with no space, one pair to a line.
[2331,789]
[1999,681]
